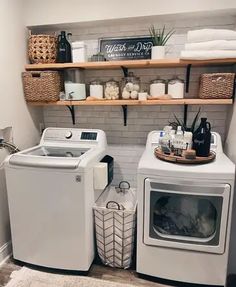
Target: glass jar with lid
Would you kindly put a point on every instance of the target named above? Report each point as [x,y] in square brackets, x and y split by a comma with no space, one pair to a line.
[130,87]
[176,88]
[157,87]
[96,89]
[111,90]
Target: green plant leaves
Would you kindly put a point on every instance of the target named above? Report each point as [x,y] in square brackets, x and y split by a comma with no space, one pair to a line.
[159,37]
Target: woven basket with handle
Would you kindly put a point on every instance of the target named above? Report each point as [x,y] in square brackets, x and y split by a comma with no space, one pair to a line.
[41,86]
[216,86]
[42,49]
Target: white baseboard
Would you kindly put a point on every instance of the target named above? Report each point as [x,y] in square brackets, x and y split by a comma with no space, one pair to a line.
[5,252]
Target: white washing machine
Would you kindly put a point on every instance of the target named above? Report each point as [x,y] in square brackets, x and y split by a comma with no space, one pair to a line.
[184,216]
[51,191]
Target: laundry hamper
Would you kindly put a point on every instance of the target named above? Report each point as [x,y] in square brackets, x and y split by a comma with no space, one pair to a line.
[115,226]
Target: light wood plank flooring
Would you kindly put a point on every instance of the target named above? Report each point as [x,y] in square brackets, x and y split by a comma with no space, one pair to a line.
[96,271]
[102,272]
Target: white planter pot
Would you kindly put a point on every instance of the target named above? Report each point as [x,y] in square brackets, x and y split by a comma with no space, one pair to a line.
[158,52]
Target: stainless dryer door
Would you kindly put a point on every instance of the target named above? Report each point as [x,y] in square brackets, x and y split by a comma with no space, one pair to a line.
[187,216]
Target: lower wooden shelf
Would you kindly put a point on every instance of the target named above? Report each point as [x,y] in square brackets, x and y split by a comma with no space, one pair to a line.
[136,102]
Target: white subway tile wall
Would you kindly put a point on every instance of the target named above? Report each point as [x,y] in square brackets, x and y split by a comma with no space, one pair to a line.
[126,143]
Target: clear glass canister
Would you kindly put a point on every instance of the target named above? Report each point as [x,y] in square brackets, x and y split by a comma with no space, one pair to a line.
[96,89]
[111,90]
[157,87]
[130,87]
[176,88]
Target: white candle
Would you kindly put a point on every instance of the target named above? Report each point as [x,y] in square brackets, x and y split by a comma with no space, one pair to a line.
[142,96]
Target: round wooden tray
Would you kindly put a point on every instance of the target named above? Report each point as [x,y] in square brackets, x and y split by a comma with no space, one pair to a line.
[179,159]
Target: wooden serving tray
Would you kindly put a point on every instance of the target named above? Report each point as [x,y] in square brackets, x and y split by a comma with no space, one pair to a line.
[179,159]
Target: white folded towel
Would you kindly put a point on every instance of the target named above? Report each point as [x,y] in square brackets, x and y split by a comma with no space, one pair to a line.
[204,35]
[211,45]
[207,55]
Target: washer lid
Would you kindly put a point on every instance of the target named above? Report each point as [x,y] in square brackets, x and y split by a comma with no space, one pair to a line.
[49,157]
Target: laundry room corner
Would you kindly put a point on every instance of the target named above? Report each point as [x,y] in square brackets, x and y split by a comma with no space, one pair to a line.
[117,143]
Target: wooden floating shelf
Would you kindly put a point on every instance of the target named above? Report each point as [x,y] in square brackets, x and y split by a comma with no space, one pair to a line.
[136,102]
[163,63]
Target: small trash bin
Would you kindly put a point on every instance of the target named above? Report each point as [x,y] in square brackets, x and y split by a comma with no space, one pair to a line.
[115,225]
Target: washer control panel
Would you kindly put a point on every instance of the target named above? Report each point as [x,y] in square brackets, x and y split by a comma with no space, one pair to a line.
[68,135]
[72,135]
[88,136]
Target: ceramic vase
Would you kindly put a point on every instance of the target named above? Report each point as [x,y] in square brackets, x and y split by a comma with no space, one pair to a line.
[158,52]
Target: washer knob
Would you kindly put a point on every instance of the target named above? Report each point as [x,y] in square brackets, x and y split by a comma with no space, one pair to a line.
[68,135]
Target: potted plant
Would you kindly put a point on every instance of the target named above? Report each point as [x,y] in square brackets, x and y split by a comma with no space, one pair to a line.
[188,128]
[159,39]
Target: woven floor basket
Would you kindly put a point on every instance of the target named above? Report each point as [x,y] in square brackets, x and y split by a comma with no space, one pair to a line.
[216,86]
[42,49]
[42,86]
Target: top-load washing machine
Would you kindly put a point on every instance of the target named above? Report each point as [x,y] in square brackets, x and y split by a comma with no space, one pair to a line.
[184,216]
[51,189]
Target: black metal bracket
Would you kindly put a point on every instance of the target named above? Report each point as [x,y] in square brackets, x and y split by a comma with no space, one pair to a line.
[125,71]
[125,112]
[185,114]
[187,77]
[72,111]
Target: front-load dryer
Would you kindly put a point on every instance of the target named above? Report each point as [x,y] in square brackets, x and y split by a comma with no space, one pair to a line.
[51,193]
[184,216]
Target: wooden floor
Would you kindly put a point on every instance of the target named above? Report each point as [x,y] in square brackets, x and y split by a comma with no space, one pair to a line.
[96,271]
[102,272]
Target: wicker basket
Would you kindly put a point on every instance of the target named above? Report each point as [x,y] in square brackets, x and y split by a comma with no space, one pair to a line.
[216,86]
[42,49]
[41,86]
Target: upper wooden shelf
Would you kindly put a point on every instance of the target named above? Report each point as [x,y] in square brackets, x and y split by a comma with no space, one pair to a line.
[163,63]
[136,102]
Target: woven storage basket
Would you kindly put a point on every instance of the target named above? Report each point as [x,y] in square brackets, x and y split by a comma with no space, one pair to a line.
[42,49]
[42,86]
[216,86]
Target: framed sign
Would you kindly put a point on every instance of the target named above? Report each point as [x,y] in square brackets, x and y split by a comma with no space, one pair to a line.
[126,48]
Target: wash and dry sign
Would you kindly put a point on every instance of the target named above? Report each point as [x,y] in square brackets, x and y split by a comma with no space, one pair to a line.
[126,48]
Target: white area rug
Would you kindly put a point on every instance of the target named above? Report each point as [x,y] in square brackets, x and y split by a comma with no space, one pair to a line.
[26,277]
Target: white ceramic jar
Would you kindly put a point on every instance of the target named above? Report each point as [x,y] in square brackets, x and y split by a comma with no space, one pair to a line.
[176,88]
[79,52]
[96,89]
[157,88]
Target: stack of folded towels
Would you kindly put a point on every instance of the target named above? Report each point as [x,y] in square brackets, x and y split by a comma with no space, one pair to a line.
[209,44]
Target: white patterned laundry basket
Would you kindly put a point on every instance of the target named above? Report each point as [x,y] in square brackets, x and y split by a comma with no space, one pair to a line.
[115,226]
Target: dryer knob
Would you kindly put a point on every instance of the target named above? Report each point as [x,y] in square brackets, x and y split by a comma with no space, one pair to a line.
[68,135]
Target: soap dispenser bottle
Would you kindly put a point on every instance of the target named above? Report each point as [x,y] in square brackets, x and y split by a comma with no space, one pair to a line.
[202,138]
[64,49]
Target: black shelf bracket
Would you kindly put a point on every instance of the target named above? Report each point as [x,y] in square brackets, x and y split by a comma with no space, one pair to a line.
[72,111]
[187,77]
[125,71]
[125,112]
[185,114]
